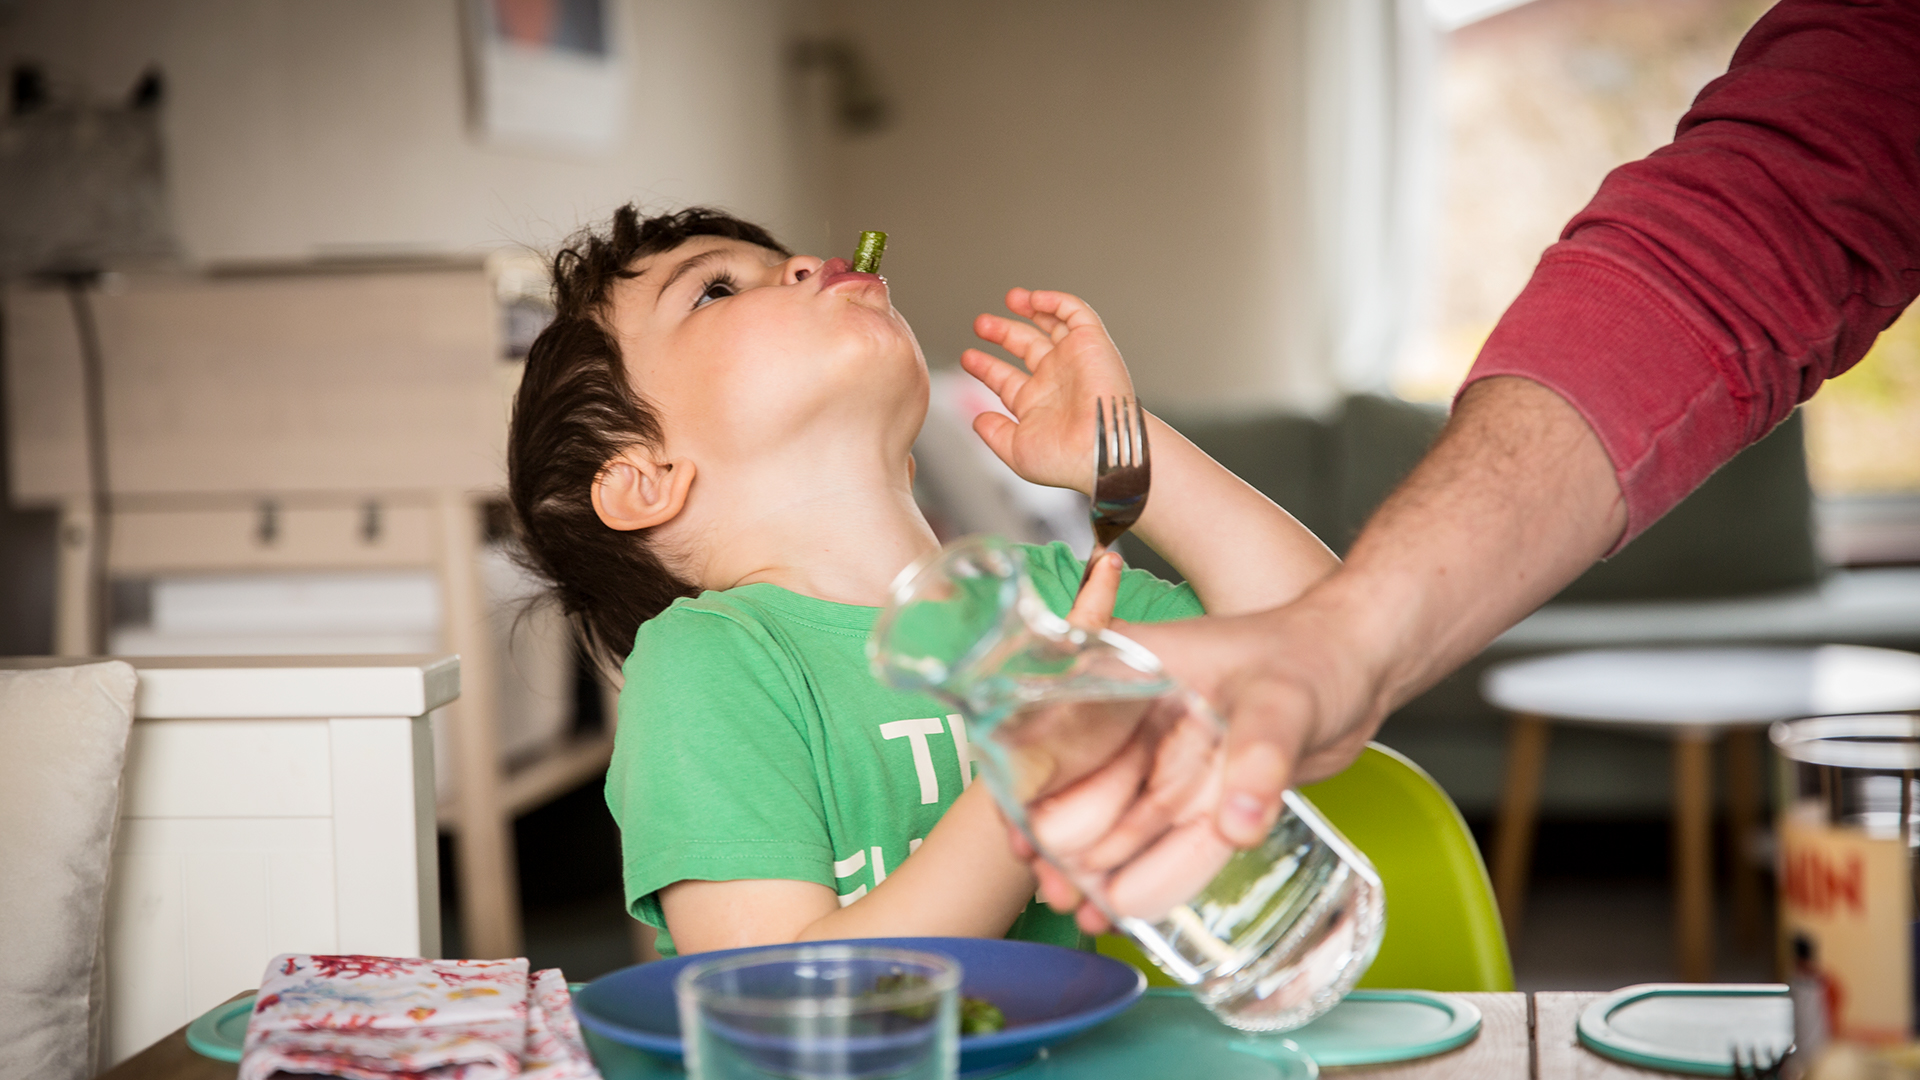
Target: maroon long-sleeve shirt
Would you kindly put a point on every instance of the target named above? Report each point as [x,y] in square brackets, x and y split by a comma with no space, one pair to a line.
[1712,286]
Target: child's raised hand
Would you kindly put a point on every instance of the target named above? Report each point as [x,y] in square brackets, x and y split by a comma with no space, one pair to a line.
[1070,361]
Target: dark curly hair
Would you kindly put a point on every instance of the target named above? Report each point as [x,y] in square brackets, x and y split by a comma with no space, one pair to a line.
[575,412]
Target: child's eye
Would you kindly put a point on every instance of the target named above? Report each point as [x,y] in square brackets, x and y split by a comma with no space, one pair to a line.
[717,288]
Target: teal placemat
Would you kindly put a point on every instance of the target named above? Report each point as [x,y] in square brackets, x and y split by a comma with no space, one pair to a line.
[1167,1034]
[1373,1027]
[220,1032]
[1688,1027]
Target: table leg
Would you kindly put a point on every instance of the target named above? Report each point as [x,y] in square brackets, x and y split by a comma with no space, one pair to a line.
[1519,813]
[483,834]
[1693,855]
[1743,816]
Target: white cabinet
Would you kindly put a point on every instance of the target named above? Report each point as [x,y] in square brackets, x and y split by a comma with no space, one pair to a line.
[272,804]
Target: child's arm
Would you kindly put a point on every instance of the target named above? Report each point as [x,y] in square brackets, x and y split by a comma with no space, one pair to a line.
[964,881]
[1241,552]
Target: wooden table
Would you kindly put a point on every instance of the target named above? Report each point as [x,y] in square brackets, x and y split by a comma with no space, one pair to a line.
[1522,1037]
[1696,697]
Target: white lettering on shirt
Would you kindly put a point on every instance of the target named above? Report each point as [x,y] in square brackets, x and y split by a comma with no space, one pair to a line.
[962,748]
[848,867]
[916,732]
[913,845]
[879,868]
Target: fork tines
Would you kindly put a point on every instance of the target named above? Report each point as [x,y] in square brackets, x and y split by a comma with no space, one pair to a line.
[1122,441]
[1754,1063]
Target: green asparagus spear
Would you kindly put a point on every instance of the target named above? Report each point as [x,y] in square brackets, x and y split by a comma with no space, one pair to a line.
[866,258]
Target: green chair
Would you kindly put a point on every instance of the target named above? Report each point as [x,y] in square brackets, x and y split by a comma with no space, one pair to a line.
[1443,930]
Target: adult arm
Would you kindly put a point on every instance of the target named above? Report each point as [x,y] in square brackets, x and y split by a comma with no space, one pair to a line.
[1703,293]
[1715,284]
[1514,501]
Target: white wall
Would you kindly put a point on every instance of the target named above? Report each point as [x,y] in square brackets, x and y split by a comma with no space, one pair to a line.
[298,128]
[1144,154]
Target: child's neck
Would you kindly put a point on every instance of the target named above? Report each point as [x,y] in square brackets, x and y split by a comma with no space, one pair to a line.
[836,526]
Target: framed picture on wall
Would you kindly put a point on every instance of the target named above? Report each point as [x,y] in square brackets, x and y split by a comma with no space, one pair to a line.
[547,73]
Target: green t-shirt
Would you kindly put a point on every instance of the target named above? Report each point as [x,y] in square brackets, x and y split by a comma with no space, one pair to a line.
[755,743]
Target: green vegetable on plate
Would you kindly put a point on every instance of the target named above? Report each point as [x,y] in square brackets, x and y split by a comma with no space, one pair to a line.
[978,1016]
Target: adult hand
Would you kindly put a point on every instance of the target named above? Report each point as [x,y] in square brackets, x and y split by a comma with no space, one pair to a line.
[1514,501]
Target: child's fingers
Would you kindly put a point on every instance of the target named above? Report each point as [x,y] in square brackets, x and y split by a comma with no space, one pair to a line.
[1002,378]
[996,430]
[1067,307]
[1054,328]
[1093,608]
[1018,338]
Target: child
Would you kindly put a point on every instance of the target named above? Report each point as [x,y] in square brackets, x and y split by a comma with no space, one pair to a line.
[710,458]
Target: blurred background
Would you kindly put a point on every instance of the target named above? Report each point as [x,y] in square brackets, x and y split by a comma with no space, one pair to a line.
[272,267]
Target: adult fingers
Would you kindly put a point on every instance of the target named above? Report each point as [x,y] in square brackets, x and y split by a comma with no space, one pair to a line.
[1184,786]
[1082,815]
[1092,921]
[1055,890]
[1170,872]
[1268,719]
[1093,608]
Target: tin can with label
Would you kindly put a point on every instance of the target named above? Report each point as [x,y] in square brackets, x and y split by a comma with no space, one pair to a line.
[1847,834]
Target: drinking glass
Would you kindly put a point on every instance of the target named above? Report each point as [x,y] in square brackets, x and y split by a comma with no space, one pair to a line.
[821,1012]
[1113,771]
[1849,862]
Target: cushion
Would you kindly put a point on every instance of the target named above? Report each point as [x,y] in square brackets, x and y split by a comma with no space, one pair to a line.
[1747,530]
[63,740]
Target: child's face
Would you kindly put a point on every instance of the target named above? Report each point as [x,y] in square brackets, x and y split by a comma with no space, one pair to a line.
[744,353]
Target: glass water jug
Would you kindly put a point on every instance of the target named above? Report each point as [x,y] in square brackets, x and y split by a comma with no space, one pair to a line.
[1113,771]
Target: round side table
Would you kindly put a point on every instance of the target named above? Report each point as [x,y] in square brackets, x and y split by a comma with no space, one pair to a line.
[1694,696]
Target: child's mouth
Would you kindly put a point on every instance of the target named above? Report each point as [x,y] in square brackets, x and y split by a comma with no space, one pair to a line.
[836,270]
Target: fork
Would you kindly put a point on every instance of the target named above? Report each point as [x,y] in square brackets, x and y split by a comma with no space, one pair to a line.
[1767,1064]
[1122,471]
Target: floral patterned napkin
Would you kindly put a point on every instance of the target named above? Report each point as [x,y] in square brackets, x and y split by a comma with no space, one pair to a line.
[403,1018]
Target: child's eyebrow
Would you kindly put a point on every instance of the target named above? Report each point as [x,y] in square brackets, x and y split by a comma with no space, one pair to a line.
[686,267]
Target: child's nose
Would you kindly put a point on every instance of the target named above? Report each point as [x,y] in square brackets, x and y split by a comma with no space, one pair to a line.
[799,268]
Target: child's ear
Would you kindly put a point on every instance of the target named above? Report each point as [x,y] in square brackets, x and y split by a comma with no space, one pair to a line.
[633,491]
[913,467]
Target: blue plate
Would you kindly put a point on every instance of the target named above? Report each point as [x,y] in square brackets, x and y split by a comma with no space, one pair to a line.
[1047,993]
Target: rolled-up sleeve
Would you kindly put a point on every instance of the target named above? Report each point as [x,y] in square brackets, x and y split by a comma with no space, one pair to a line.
[1715,284]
